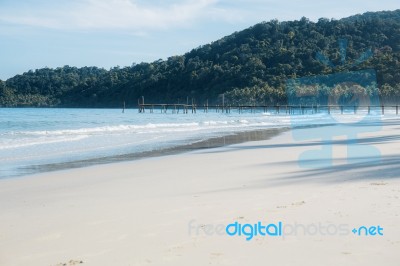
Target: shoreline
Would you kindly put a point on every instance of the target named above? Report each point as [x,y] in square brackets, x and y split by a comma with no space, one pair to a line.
[210,143]
[213,142]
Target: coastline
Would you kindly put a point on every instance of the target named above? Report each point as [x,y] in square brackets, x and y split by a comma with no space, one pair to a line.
[158,211]
[213,142]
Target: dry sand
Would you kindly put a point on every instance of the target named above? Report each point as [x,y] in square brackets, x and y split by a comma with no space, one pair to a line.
[164,211]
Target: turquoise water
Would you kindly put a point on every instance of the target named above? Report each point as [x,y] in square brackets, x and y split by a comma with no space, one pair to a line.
[33,137]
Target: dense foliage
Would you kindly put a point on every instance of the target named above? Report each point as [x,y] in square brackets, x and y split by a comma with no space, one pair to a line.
[252,65]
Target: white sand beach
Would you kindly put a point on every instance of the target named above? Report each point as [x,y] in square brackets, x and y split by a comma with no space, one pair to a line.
[165,210]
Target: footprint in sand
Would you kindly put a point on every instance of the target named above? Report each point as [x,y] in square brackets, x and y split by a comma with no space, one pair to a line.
[216,257]
[378,184]
[70,263]
[298,203]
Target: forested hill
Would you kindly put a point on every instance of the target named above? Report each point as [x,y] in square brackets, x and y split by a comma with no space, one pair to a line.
[255,62]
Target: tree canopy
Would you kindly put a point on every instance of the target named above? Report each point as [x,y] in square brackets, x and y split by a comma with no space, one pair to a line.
[249,65]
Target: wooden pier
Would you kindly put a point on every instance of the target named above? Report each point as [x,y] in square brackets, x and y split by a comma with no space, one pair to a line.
[287,109]
[278,109]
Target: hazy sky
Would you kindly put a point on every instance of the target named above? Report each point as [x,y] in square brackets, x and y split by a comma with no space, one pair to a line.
[107,33]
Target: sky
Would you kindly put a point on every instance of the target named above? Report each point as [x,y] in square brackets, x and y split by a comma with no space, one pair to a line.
[108,33]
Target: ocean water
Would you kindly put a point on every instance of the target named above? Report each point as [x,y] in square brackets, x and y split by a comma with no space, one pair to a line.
[33,139]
